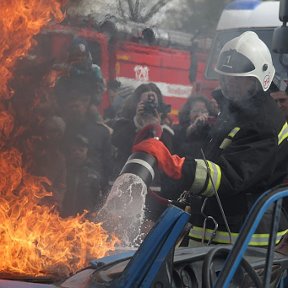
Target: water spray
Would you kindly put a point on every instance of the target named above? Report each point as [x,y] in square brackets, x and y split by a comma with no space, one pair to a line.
[123,211]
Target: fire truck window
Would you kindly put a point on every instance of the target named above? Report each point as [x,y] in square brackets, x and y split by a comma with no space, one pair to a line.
[95,50]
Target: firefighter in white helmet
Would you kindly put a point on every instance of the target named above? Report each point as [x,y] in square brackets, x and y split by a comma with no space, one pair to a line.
[246,153]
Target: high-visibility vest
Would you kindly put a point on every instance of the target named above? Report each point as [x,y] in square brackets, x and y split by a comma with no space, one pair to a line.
[222,237]
[203,185]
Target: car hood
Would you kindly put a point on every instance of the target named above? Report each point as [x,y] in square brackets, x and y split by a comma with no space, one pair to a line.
[21,284]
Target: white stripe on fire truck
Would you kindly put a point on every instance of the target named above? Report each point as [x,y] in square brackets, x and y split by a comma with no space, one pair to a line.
[167,89]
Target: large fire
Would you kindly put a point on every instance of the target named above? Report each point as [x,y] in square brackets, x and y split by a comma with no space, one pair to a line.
[34,239]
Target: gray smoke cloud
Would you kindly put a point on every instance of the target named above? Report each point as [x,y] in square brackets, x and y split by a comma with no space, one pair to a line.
[110,7]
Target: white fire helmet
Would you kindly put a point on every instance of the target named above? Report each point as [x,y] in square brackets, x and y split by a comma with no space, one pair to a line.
[247,55]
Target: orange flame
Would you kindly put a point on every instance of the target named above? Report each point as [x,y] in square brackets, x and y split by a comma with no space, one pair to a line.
[34,240]
[20,20]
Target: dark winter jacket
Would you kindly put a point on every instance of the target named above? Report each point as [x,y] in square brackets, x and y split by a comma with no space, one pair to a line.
[99,148]
[190,145]
[83,189]
[247,155]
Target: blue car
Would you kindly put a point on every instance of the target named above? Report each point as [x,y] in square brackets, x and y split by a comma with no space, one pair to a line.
[160,263]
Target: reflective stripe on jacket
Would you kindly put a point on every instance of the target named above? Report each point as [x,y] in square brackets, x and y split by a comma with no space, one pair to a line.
[203,183]
[283,133]
[246,155]
[222,237]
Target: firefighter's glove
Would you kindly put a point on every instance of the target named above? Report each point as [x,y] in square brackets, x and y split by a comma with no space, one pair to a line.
[149,131]
[171,165]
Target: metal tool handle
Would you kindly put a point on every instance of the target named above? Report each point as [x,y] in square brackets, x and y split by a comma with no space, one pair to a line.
[217,197]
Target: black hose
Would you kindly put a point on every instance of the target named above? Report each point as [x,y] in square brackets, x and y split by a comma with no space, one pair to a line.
[223,252]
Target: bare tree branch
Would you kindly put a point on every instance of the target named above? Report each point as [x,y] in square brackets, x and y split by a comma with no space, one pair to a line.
[136,9]
[154,9]
[132,17]
[121,9]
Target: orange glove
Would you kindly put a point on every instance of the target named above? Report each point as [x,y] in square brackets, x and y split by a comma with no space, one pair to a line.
[171,165]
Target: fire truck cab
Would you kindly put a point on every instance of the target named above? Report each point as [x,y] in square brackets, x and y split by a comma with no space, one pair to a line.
[129,52]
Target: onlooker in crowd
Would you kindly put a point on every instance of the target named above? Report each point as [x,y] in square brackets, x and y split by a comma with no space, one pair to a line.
[113,88]
[145,103]
[83,181]
[195,121]
[80,62]
[279,92]
[74,94]
[45,157]
[118,93]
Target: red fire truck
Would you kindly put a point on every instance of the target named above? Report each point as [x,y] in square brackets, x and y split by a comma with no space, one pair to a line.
[131,53]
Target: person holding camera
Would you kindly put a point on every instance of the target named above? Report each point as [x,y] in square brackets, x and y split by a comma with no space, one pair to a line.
[147,109]
[144,106]
[195,121]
